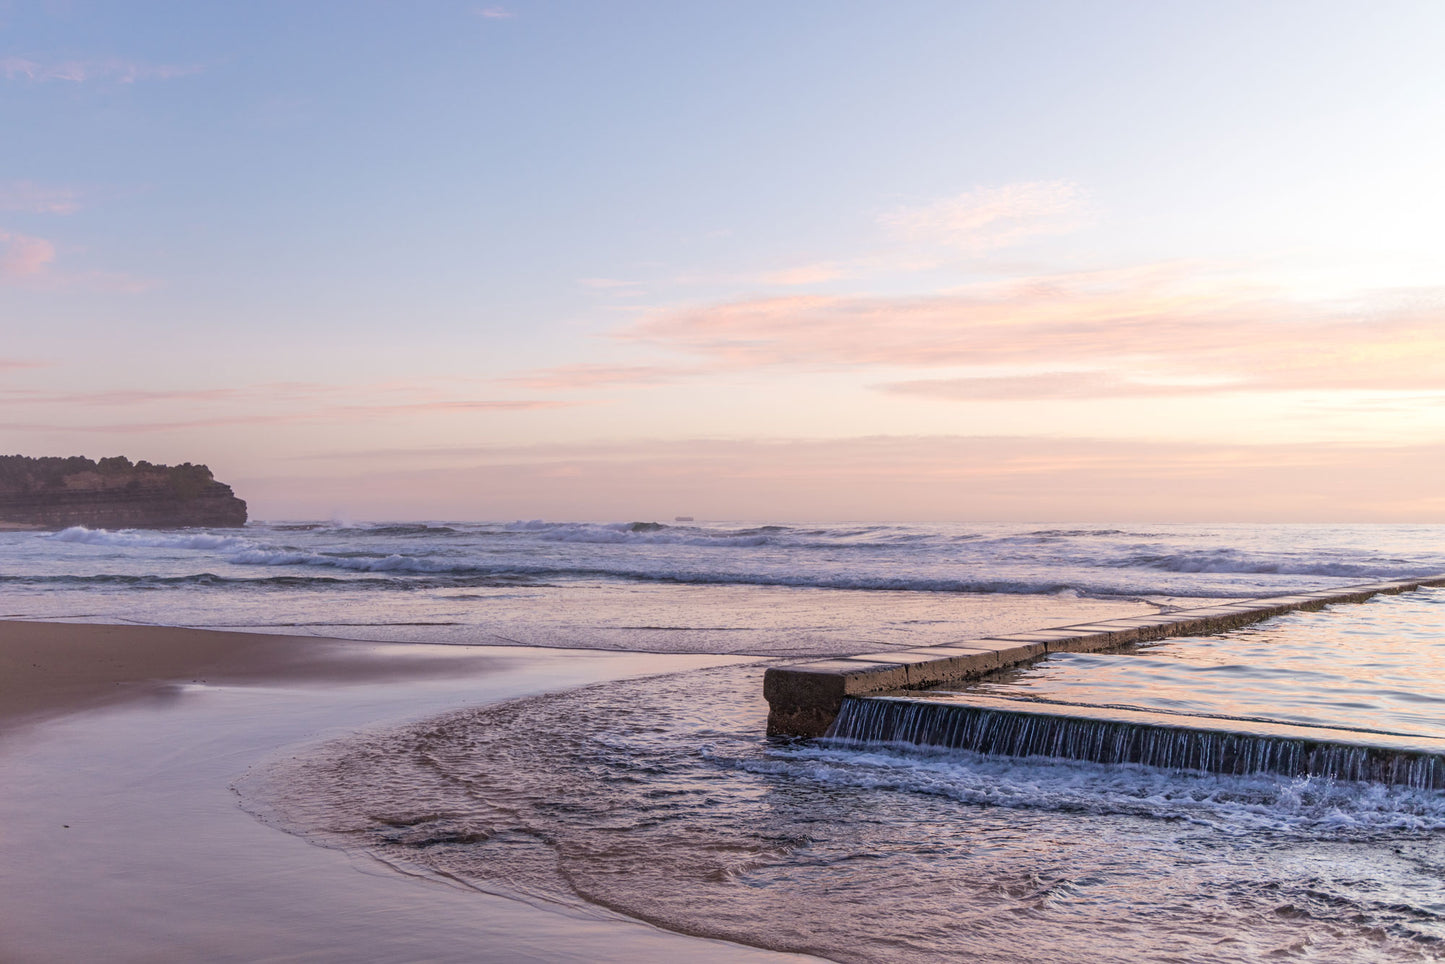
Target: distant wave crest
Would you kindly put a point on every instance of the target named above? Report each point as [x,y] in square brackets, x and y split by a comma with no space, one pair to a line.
[147,539]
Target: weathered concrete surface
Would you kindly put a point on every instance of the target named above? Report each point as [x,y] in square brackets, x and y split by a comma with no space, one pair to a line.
[804,699]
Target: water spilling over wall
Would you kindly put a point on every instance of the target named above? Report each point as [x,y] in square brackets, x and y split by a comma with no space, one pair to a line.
[1115,736]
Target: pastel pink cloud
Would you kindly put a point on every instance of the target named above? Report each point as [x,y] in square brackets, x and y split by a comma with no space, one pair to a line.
[988,218]
[1055,385]
[928,478]
[161,409]
[587,375]
[26,258]
[810,274]
[1161,325]
[22,256]
[38,199]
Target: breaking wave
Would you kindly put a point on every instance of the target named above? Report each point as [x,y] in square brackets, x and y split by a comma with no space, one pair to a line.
[131,538]
[1086,562]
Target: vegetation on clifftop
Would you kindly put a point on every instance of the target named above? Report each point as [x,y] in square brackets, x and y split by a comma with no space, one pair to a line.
[113,492]
[22,474]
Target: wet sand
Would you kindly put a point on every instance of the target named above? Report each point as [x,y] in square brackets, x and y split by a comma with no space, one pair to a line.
[52,669]
[121,839]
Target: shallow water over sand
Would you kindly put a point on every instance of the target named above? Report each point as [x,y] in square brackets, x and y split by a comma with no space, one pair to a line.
[658,798]
[120,840]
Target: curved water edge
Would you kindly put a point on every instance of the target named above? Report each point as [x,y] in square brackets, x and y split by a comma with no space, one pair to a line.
[658,799]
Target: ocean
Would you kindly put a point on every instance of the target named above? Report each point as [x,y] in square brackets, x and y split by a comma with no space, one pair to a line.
[661,798]
[758,589]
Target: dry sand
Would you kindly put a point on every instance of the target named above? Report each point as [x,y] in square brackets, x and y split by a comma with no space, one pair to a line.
[121,840]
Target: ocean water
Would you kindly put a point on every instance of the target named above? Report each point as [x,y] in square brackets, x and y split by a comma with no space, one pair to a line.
[760,589]
[661,798]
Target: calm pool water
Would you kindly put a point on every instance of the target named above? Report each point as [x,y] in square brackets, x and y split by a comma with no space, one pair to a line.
[1378,665]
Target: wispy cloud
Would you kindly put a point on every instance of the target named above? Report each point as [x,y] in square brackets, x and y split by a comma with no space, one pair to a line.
[116,427]
[988,218]
[22,256]
[312,396]
[589,375]
[495,13]
[123,397]
[1054,385]
[140,410]
[928,477]
[331,414]
[83,71]
[612,286]
[461,405]
[38,199]
[808,274]
[1164,325]
[924,237]
[31,261]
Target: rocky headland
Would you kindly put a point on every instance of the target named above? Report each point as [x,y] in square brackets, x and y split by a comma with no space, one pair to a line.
[114,493]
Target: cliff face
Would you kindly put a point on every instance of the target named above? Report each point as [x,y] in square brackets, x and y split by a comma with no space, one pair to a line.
[113,493]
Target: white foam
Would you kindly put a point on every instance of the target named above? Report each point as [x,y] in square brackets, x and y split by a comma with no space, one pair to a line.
[1178,561]
[1226,561]
[147,539]
[388,563]
[1238,804]
[654,534]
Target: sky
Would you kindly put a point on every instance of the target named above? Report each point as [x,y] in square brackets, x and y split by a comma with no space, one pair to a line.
[766,261]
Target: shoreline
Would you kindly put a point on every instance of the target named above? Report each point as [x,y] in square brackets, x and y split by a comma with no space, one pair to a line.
[50,669]
[125,841]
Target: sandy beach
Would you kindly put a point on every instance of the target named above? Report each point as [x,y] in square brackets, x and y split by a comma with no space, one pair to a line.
[123,840]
